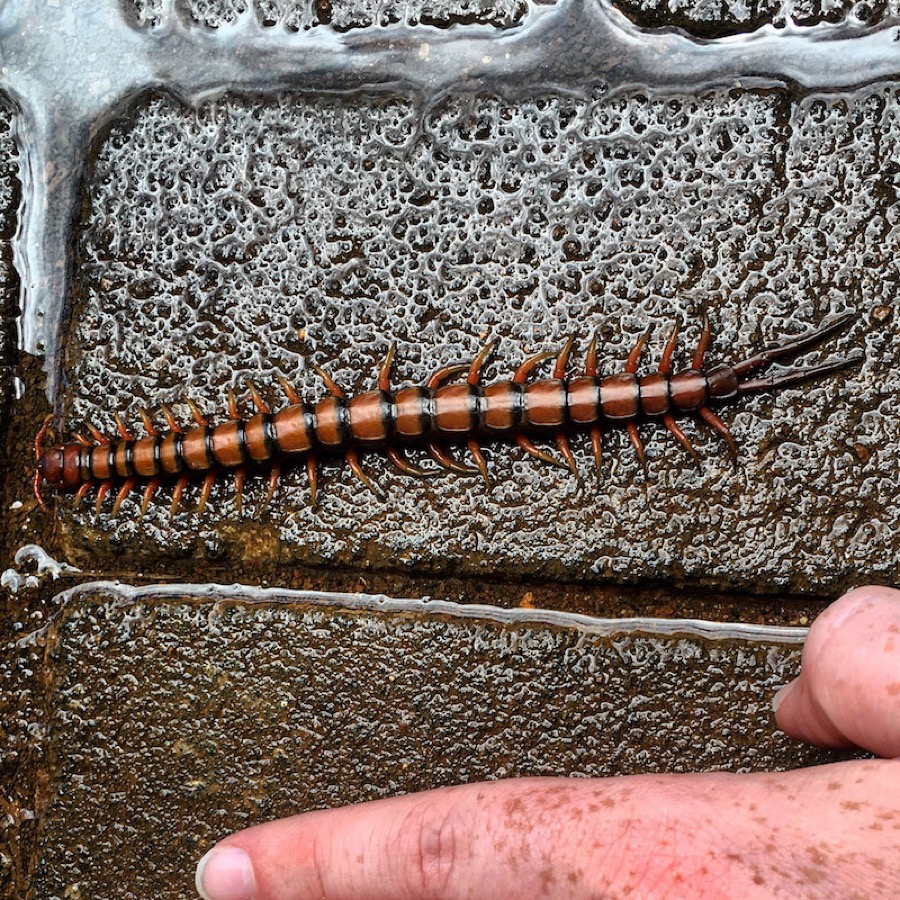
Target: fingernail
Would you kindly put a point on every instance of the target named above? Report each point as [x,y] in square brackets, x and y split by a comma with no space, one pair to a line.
[225,874]
[777,700]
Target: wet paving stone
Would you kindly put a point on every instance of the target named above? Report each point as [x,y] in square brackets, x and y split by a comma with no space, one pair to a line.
[250,239]
[183,715]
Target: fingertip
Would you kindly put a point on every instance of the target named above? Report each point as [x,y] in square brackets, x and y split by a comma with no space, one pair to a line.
[781,695]
[225,873]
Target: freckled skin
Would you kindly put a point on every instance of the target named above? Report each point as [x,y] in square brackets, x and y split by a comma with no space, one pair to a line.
[830,831]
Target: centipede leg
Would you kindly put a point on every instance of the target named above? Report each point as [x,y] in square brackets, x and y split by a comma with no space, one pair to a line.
[448,462]
[631,364]
[102,491]
[97,435]
[480,461]
[208,483]
[637,443]
[528,446]
[384,374]
[289,391]
[523,371]
[197,414]
[82,493]
[233,412]
[149,427]
[719,426]
[597,447]
[123,430]
[437,452]
[127,487]
[353,461]
[170,420]
[404,465]
[703,344]
[274,476]
[563,443]
[670,423]
[590,362]
[149,491]
[559,368]
[258,402]
[240,476]
[665,363]
[177,493]
[313,476]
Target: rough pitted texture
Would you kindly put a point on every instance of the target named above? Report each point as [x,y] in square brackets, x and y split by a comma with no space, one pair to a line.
[342,15]
[9,197]
[179,723]
[213,235]
[717,19]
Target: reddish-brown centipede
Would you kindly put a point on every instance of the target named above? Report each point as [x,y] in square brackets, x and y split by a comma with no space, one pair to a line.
[432,415]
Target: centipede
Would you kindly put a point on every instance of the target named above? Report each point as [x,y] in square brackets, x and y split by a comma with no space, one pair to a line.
[433,416]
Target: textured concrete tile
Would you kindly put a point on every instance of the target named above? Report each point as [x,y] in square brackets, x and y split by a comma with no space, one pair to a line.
[181,716]
[246,238]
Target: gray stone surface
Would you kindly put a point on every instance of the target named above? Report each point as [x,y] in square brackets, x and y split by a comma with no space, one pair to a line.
[215,236]
[181,717]
[342,15]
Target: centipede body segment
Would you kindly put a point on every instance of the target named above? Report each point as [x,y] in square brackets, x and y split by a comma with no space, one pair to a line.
[432,416]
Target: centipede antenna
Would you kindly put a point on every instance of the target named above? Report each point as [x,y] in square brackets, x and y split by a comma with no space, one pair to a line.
[384,374]
[797,376]
[37,490]
[795,345]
